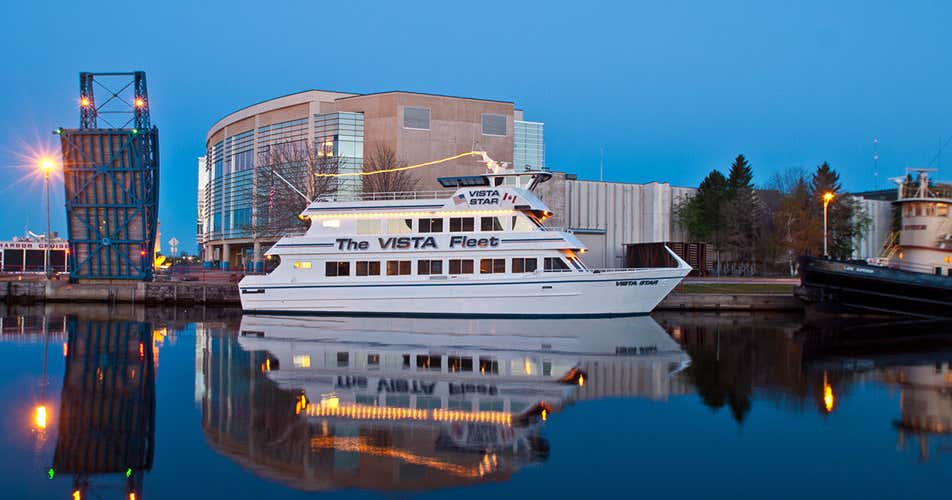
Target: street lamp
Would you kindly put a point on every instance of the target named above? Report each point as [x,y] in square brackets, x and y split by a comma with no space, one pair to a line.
[827,198]
[47,165]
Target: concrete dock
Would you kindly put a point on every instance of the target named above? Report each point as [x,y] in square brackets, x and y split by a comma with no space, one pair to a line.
[187,293]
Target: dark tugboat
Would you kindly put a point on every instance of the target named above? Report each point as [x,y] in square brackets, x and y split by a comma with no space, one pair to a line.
[914,278]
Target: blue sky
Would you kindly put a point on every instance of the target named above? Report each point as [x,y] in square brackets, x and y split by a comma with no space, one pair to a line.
[670,90]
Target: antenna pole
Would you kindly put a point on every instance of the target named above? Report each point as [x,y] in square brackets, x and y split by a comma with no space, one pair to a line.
[601,163]
[875,164]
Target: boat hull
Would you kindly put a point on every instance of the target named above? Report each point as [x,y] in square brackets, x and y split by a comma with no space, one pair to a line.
[862,288]
[626,293]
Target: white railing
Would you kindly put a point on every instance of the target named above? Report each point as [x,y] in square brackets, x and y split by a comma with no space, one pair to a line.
[387,196]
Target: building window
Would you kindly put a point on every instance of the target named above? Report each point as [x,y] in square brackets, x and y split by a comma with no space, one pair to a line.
[428,225]
[490,224]
[524,265]
[555,264]
[368,268]
[460,224]
[302,264]
[370,226]
[429,267]
[492,266]
[398,267]
[461,266]
[337,269]
[399,226]
[416,118]
[494,125]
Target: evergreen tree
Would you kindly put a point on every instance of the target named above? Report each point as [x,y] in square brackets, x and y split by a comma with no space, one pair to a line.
[742,213]
[703,214]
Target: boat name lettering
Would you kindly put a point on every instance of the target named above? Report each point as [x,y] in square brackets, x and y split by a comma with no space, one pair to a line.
[636,283]
[858,270]
[467,242]
[914,227]
[392,243]
[472,389]
[484,197]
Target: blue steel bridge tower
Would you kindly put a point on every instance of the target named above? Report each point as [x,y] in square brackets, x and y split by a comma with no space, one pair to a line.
[111,178]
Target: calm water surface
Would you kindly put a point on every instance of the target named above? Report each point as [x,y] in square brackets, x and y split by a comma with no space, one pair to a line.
[207,404]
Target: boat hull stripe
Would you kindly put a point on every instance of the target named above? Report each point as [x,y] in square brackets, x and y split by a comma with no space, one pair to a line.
[269,287]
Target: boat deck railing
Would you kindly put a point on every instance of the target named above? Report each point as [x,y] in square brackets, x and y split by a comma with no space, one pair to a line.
[386,196]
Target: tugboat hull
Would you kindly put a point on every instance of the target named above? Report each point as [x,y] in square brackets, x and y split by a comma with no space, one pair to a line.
[862,288]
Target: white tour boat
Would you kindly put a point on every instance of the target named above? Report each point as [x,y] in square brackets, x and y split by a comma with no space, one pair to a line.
[482,250]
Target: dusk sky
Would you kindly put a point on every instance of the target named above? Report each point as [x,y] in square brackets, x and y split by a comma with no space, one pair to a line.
[670,90]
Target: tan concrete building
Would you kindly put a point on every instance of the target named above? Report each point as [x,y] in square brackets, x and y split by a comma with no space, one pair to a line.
[350,128]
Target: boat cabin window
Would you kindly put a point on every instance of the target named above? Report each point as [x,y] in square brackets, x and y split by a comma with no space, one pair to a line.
[399,226]
[368,268]
[577,264]
[369,226]
[461,266]
[460,224]
[432,362]
[335,223]
[488,365]
[521,223]
[524,265]
[337,269]
[429,267]
[302,264]
[492,266]
[398,267]
[373,360]
[431,225]
[942,210]
[459,364]
[490,224]
[555,264]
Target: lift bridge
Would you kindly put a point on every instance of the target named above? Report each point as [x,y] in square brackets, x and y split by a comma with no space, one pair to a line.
[111,177]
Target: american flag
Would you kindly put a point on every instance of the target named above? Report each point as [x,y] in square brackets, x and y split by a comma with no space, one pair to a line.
[459,199]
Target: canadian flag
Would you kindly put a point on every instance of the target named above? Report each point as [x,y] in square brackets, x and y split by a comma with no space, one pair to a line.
[509,197]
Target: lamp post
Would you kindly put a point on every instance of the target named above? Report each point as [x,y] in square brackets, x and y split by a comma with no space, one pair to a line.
[827,198]
[47,165]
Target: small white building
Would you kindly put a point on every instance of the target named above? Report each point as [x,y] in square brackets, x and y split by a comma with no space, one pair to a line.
[27,254]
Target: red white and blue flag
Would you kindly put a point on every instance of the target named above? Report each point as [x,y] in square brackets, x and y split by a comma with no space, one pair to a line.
[459,199]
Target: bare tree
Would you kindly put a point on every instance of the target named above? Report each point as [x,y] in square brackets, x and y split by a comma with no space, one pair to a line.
[385,158]
[276,205]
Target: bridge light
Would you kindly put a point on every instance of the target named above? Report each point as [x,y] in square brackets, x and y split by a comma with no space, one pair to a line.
[84,101]
[39,417]
[140,102]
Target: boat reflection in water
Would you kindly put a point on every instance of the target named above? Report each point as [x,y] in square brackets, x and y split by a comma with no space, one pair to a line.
[413,404]
[107,411]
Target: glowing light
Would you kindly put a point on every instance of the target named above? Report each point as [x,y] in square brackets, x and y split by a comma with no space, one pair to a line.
[545,415]
[47,164]
[330,402]
[129,472]
[327,408]
[77,495]
[581,380]
[39,417]
[132,495]
[84,101]
[828,399]
[360,445]
[302,360]
[141,351]
[400,169]
[51,473]
[65,349]
[140,102]
[828,197]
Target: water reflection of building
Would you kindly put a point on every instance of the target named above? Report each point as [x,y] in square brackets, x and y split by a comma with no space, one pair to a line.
[394,404]
[107,412]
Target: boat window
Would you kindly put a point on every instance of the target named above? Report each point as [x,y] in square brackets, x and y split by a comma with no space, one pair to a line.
[576,263]
[524,265]
[521,223]
[399,226]
[369,226]
[459,224]
[488,365]
[918,209]
[302,264]
[337,269]
[368,268]
[942,210]
[431,225]
[459,364]
[461,266]
[492,266]
[490,224]
[343,359]
[555,264]
[429,362]
[330,223]
[429,267]
[373,360]
[398,267]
